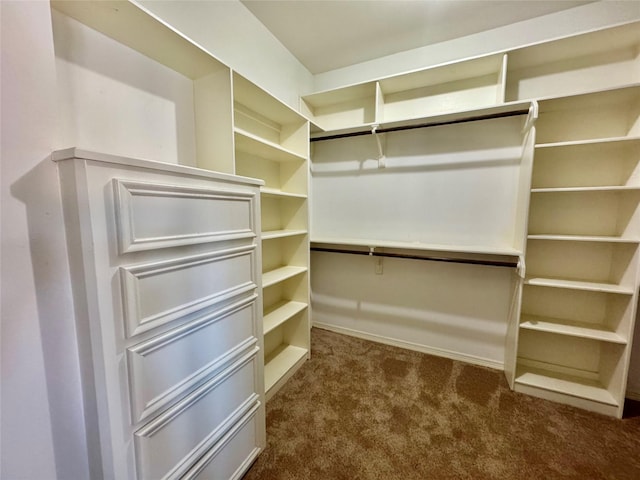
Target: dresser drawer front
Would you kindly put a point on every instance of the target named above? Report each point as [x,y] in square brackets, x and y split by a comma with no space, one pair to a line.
[160,292]
[233,455]
[156,215]
[170,365]
[169,445]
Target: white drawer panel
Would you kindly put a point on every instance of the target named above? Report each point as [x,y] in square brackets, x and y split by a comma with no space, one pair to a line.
[232,456]
[171,443]
[159,292]
[170,365]
[152,215]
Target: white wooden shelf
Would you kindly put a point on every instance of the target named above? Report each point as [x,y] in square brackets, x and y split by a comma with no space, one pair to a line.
[277,193]
[272,234]
[593,141]
[280,313]
[616,188]
[583,238]
[565,384]
[440,118]
[280,361]
[578,285]
[434,247]
[254,145]
[280,274]
[570,328]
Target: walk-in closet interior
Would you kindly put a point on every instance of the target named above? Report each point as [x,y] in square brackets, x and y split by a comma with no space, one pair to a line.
[483,208]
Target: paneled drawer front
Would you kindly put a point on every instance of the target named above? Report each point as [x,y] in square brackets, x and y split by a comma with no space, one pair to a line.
[170,444]
[174,363]
[230,458]
[157,293]
[153,215]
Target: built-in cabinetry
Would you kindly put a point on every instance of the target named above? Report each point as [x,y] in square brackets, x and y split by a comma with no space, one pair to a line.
[597,60]
[580,292]
[215,120]
[165,264]
[272,143]
[574,223]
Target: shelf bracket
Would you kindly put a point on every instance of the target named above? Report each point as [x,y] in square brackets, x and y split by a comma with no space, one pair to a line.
[531,117]
[377,261]
[381,142]
[521,268]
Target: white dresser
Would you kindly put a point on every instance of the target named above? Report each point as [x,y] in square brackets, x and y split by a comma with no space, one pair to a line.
[165,263]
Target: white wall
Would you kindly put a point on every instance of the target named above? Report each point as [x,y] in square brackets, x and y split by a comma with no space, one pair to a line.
[580,19]
[42,417]
[114,99]
[229,31]
[447,309]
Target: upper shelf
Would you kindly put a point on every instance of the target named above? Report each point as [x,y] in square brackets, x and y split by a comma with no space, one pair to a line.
[598,60]
[458,116]
[136,27]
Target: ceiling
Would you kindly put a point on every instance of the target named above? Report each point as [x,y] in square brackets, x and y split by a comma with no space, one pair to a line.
[329,34]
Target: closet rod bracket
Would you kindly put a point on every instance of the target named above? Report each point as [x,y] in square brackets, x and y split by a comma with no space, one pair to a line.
[381,143]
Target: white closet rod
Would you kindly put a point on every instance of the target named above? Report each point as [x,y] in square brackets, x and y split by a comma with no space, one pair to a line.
[431,258]
[489,116]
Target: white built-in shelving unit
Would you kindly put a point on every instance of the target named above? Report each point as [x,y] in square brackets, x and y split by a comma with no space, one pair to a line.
[272,143]
[576,194]
[580,292]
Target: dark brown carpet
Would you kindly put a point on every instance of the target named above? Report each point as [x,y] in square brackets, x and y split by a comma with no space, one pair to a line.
[362,410]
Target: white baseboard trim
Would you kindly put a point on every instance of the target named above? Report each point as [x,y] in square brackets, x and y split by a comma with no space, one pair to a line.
[633,395]
[394,342]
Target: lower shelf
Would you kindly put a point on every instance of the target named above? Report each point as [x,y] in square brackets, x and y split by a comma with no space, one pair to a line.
[565,384]
[280,362]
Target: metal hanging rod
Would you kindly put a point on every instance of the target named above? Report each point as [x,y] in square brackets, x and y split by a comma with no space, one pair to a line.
[489,116]
[430,258]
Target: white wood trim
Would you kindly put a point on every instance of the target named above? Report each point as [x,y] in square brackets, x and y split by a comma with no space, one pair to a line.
[633,395]
[81,154]
[438,352]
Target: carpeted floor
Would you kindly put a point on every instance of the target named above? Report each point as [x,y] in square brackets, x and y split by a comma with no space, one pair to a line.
[362,410]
